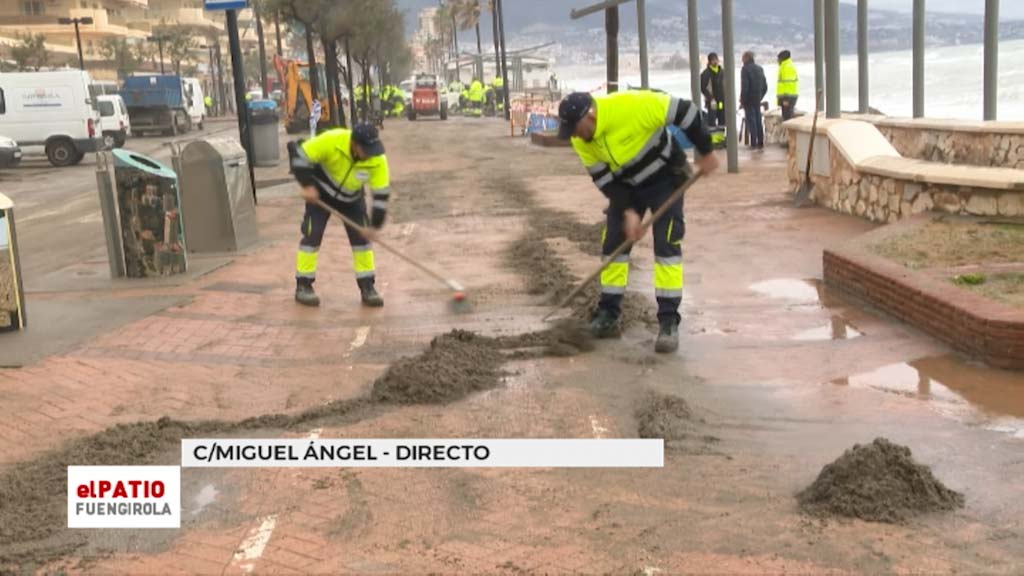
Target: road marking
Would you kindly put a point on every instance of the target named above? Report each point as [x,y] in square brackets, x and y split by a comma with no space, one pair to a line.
[251,549]
[315,433]
[596,427]
[407,229]
[650,570]
[361,333]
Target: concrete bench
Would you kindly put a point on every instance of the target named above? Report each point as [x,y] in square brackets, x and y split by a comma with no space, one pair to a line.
[857,170]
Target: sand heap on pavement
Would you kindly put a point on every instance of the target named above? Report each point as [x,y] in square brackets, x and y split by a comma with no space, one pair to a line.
[877,482]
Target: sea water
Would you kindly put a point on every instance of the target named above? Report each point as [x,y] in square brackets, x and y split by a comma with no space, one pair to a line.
[953,80]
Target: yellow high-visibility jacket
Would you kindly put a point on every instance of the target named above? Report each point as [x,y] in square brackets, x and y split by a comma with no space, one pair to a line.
[631,140]
[332,151]
[788,84]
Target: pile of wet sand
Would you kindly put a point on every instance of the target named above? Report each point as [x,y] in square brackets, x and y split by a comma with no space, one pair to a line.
[877,482]
[455,365]
[661,416]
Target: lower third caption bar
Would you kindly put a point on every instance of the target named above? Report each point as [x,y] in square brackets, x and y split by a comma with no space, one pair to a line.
[422,453]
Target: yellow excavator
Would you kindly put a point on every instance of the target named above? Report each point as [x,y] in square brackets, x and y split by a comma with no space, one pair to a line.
[298,97]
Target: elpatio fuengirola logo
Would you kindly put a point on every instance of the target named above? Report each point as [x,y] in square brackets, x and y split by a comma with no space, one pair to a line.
[124,496]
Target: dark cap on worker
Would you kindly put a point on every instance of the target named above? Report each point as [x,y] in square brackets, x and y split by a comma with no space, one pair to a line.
[368,137]
[572,109]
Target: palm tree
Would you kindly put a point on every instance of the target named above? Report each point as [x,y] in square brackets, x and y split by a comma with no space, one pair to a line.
[468,15]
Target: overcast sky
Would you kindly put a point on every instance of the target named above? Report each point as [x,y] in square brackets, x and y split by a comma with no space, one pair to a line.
[1007,8]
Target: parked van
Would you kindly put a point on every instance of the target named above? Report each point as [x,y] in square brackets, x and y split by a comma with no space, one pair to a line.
[52,112]
[115,125]
[196,101]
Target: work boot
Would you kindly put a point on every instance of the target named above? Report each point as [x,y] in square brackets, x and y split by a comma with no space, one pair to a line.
[371,299]
[668,336]
[305,295]
[603,324]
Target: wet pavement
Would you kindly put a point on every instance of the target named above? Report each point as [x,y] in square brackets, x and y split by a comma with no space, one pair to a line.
[781,375]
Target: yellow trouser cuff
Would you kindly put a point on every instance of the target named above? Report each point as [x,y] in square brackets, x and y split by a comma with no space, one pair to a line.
[615,276]
[362,262]
[305,263]
[668,276]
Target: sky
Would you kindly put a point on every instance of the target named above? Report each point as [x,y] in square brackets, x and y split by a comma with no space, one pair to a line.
[1007,8]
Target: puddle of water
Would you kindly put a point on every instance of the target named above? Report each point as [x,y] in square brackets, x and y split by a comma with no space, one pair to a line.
[838,328]
[792,289]
[206,496]
[966,392]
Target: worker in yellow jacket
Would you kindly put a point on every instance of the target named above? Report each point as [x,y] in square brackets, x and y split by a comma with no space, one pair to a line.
[788,88]
[476,98]
[335,168]
[624,142]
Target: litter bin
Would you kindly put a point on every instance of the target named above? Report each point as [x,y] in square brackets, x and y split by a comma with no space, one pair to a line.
[149,205]
[216,196]
[264,121]
[12,302]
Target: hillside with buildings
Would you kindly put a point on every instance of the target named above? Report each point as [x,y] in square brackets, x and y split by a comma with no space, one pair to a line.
[122,31]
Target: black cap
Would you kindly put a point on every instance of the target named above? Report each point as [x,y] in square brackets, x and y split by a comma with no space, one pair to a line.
[368,137]
[712,55]
[572,109]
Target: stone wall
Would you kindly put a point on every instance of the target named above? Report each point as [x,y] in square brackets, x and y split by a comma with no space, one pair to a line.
[885,199]
[774,133]
[960,143]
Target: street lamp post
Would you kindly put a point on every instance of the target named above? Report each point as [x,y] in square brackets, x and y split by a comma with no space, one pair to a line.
[78,35]
[160,43]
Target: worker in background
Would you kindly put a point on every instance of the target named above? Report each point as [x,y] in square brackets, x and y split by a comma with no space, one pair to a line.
[385,99]
[397,101]
[208,102]
[476,97]
[753,87]
[712,85]
[335,167]
[464,100]
[456,87]
[499,93]
[788,88]
[625,145]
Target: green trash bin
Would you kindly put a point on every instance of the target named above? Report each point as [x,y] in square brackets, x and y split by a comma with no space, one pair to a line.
[149,205]
[12,296]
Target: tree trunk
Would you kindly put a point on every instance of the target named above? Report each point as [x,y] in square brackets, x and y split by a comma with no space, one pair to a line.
[479,54]
[277,32]
[349,79]
[331,67]
[494,33]
[336,85]
[314,79]
[263,47]
[455,39]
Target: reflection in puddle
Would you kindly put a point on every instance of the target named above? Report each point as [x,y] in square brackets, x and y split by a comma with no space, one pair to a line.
[970,393]
[837,329]
[204,498]
[804,291]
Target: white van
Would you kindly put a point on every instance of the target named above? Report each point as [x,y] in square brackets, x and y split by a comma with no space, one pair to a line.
[52,112]
[196,101]
[115,126]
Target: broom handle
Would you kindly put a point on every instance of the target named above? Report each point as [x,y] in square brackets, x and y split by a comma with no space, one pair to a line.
[675,197]
[362,232]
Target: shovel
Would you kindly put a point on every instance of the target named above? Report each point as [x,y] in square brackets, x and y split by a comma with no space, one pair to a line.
[806,187]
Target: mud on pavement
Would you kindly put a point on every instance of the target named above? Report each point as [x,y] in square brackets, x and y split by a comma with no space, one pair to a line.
[877,482]
[456,364]
[544,271]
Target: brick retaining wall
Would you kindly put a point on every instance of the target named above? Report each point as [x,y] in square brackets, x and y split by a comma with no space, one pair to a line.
[991,331]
